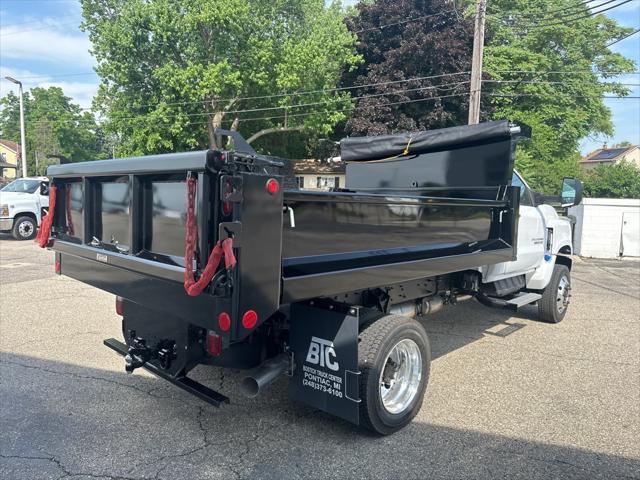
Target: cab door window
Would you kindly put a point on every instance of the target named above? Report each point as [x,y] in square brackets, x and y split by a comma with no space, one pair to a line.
[525,193]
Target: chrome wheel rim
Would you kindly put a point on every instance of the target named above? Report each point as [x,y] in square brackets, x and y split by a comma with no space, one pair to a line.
[564,289]
[25,229]
[400,376]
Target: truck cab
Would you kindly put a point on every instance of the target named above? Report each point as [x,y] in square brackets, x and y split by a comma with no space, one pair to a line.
[543,246]
[22,205]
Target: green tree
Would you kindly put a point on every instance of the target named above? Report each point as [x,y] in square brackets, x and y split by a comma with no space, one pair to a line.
[528,39]
[621,180]
[173,70]
[54,126]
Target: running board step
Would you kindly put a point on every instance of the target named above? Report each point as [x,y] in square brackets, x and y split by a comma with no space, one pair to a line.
[524,299]
[512,304]
[195,388]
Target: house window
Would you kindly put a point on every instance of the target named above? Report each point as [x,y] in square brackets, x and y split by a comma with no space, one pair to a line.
[300,182]
[326,182]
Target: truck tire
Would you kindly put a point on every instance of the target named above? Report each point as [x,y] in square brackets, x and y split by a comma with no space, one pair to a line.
[24,228]
[553,305]
[394,359]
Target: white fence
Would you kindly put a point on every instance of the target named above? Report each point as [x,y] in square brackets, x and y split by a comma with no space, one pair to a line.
[607,227]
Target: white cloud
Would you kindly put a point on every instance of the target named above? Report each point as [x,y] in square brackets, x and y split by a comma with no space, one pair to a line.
[81,92]
[44,42]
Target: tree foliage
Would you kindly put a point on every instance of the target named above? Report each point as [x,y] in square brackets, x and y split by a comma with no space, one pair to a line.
[173,70]
[562,108]
[54,125]
[395,48]
[525,41]
[621,180]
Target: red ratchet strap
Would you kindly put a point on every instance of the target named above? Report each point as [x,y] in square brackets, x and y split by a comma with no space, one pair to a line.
[42,238]
[225,247]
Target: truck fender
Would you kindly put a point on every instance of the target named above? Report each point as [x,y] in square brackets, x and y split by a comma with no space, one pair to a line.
[542,275]
[564,260]
[27,213]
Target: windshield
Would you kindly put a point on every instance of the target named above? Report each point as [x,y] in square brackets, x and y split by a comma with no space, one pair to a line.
[25,186]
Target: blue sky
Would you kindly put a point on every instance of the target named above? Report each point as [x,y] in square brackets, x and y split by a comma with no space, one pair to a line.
[42,45]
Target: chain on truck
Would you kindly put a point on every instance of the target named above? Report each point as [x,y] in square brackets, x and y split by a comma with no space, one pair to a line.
[217,257]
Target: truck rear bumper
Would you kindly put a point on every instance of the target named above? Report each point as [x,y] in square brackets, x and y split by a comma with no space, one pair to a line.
[185,383]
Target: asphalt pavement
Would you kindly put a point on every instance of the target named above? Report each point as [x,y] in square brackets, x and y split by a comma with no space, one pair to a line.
[509,397]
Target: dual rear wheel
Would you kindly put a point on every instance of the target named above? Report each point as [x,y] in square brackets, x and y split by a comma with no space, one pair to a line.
[394,359]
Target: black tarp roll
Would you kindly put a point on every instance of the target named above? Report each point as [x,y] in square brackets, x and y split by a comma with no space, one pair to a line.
[384,146]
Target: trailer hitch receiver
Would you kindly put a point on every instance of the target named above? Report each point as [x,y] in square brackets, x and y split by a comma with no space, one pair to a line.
[139,354]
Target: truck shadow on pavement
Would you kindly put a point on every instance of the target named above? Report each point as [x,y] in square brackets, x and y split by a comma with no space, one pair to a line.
[65,420]
[457,326]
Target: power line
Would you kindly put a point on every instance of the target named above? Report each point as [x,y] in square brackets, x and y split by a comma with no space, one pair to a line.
[533,14]
[620,39]
[305,92]
[328,102]
[516,95]
[390,104]
[590,14]
[567,72]
[550,82]
[311,104]
[302,114]
[369,85]
[402,22]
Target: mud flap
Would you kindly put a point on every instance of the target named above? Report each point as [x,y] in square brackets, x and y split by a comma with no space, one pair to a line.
[325,347]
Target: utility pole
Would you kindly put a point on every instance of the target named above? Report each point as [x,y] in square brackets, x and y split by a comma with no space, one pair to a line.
[22,139]
[476,64]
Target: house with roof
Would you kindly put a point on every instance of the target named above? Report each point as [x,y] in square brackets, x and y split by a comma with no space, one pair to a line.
[612,156]
[320,174]
[9,155]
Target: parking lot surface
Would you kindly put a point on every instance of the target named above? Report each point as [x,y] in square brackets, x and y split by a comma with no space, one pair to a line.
[509,397]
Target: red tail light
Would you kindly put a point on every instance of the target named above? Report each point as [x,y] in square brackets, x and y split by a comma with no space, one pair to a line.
[224,322]
[58,267]
[120,306]
[226,208]
[249,319]
[214,344]
[273,186]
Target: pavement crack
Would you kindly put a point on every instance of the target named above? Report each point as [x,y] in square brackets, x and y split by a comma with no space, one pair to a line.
[66,473]
[77,375]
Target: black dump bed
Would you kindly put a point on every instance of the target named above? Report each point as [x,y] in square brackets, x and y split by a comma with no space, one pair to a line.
[414,206]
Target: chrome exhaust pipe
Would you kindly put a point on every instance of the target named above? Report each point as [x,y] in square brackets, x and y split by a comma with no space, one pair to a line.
[265,374]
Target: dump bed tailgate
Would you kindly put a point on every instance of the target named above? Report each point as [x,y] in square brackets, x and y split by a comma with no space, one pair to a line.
[120,225]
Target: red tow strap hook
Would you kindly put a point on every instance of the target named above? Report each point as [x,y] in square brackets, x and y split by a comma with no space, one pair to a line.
[221,248]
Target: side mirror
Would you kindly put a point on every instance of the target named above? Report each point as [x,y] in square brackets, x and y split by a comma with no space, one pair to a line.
[44,189]
[571,192]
